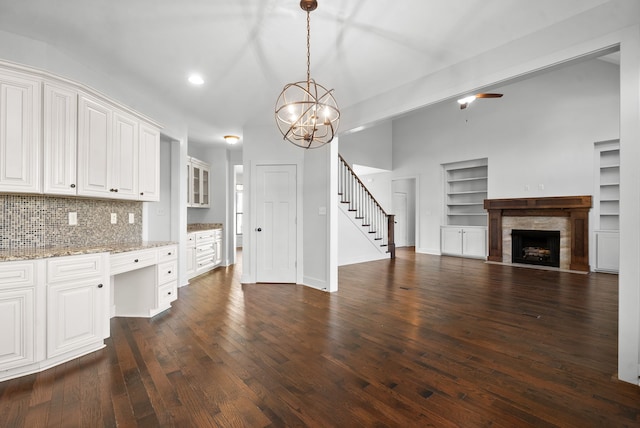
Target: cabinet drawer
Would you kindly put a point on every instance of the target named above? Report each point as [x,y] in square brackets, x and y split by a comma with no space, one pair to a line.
[166,254]
[70,268]
[167,293]
[205,236]
[167,272]
[132,260]
[17,274]
[204,249]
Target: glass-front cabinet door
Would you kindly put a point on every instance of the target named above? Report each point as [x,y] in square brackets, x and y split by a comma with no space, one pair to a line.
[205,187]
[196,172]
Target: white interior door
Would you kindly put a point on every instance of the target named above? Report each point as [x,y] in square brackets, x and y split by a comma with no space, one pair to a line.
[275,230]
[400,211]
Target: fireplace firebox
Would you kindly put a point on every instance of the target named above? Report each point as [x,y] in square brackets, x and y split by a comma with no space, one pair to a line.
[536,247]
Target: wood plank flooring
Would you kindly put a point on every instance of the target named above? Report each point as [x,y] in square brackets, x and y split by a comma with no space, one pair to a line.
[416,341]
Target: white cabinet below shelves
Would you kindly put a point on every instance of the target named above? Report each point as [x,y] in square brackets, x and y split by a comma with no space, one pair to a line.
[464,241]
[607,251]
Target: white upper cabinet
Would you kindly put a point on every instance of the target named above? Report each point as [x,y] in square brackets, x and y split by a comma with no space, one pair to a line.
[20,106]
[149,174]
[60,123]
[118,154]
[58,137]
[94,148]
[124,162]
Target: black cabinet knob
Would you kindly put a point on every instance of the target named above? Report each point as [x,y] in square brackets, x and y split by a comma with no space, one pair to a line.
[100,285]
[135,261]
[73,186]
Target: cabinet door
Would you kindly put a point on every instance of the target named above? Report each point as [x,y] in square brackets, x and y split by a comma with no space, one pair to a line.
[60,142]
[451,240]
[17,318]
[204,188]
[196,172]
[94,148]
[20,106]
[607,251]
[74,315]
[149,177]
[474,242]
[124,157]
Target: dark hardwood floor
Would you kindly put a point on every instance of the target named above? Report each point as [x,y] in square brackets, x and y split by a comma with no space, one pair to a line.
[416,341]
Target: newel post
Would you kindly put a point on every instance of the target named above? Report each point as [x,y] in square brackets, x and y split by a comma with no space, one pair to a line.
[390,233]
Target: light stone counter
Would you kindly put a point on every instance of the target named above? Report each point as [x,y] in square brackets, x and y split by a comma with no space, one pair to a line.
[43,253]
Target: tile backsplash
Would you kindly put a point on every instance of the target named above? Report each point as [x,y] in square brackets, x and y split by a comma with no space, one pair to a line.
[38,221]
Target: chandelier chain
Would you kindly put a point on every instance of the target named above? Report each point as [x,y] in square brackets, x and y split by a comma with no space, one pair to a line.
[308,49]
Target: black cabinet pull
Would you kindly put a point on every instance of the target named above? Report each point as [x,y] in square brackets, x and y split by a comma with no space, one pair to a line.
[135,261]
[100,285]
[168,272]
[73,186]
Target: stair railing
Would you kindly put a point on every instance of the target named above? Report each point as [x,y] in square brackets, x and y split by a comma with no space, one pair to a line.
[365,207]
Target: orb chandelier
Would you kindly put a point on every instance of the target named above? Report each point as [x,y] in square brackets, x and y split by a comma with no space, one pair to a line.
[306,112]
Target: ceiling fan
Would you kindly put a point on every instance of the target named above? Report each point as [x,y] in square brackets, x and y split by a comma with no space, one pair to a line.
[464,102]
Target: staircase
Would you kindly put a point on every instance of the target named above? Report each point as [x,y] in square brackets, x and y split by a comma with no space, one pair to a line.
[353,192]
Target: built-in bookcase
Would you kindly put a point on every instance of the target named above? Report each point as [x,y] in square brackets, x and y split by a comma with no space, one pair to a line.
[607,205]
[609,200]
[466,190]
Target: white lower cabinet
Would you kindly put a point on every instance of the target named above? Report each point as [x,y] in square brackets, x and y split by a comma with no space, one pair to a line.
[464,241]
[607,251]
[144,282]
[51,310]
[204,251]
[77,296]
[20,343]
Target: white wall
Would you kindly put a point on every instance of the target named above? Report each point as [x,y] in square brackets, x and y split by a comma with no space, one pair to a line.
[539,137]
[370,147]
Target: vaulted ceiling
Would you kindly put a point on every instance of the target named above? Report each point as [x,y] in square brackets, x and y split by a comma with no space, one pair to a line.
[246,50]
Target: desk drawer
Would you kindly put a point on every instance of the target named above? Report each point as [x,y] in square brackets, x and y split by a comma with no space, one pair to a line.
[168,253]
[132,260]
[167,293]
[167,272]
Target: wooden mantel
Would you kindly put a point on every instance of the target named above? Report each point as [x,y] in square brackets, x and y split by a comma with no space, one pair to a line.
[575,207]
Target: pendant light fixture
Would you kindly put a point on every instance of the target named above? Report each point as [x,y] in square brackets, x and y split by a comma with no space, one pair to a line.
[306,112]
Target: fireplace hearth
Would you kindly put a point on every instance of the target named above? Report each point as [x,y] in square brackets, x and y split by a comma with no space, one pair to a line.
[536,247]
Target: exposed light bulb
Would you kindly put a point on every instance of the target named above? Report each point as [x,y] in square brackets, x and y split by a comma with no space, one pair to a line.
[196,79]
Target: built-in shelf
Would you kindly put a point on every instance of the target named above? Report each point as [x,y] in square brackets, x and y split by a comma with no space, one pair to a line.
[466,190]
[607,205]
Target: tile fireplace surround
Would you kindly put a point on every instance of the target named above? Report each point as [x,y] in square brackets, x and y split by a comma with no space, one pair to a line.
[575,209]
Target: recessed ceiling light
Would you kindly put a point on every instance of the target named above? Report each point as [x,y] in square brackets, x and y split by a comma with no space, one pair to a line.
[196,79]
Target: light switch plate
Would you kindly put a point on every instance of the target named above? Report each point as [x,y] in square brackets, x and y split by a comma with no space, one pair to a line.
[114,218]
[132,218]
[73,218]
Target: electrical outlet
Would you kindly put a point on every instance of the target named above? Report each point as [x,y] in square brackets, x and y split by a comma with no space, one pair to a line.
[73,218]
[114,218]
[131,218]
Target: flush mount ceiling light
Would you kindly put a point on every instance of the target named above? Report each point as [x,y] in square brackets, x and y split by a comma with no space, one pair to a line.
[196,79]
[231,139]
[306,112]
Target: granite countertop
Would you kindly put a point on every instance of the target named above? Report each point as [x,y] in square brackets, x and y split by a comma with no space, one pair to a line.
[43,253]
[196,227]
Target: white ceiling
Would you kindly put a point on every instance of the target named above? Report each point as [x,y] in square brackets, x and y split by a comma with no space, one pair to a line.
[246,50]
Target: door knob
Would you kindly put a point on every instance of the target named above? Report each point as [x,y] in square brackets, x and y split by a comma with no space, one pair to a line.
[259,229]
